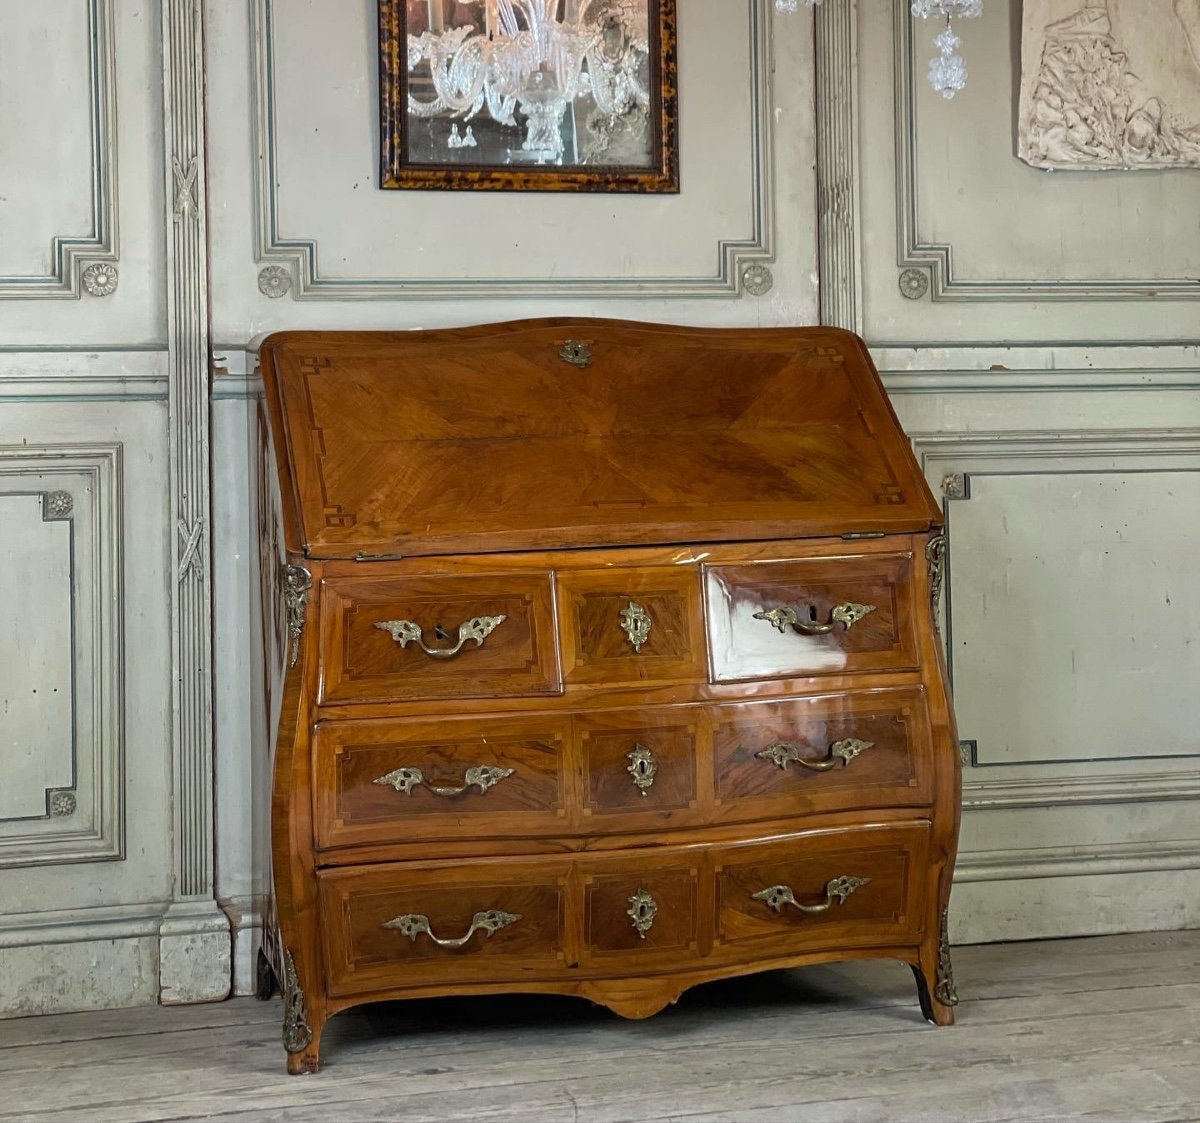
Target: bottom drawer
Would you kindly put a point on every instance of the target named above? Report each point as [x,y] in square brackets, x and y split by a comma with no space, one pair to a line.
[851,888]
[395,926]
[667,908]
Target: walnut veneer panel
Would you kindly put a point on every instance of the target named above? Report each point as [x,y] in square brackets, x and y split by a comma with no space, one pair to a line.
[745,645]
[391,781]
[629,713]
[363,954]
[364,662]
[600,609]
[886,907]
[486,439]
[826,753]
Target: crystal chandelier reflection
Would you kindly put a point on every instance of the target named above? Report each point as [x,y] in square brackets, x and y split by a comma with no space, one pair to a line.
[535,57]
[948,71]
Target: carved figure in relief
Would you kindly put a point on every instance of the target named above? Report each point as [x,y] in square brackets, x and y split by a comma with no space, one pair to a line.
[1109,84]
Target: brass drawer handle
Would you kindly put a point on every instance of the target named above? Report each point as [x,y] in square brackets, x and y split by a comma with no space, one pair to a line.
[643,765]
[481,776]
[848,614]
[836,890]
[478,628]
[641,912]
[414,924]
[636,624]
[784,753]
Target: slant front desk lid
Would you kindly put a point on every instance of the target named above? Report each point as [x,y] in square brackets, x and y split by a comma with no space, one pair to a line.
[545,434]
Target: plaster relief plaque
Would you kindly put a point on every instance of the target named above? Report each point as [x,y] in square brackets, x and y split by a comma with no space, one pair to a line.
[1110,84]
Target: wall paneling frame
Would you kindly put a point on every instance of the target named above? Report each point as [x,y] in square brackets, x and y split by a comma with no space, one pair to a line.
[106,849]
[1068,467]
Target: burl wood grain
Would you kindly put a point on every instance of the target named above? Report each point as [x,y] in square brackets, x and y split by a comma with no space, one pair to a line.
[704,474]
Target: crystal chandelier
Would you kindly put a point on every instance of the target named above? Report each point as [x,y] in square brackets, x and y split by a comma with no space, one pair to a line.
[530,57]
[947,72]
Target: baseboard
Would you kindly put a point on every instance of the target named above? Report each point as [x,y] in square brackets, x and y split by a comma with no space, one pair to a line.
[1101,904]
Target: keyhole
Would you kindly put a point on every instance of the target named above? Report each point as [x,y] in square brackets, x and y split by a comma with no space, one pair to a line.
[440,632]
[812,614]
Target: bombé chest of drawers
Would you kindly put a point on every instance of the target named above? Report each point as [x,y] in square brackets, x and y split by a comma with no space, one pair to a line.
[611,668]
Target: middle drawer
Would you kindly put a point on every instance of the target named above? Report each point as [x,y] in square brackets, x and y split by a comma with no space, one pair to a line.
[654,768]
[490,777]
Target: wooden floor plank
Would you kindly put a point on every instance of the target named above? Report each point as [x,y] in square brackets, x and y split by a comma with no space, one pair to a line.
[1104,1028]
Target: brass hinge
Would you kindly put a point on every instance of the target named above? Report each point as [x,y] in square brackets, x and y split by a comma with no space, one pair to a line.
[863,534]
[361,557]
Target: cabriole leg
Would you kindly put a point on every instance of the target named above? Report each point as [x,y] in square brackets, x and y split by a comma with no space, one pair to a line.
[301,1034]
[935,978]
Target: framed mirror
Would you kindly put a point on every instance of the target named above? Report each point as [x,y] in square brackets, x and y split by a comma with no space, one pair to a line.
[528,95]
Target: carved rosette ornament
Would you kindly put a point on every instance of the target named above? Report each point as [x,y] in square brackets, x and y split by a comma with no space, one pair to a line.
[297,1033]
[955,486]
[62,804]
[100,278]
[57,505]
[914,284]
[297,582]
[945,991]
[275,281]
[757,280]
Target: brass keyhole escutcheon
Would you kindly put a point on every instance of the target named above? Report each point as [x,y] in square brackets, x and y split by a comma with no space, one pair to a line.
[642,767]
[575,352]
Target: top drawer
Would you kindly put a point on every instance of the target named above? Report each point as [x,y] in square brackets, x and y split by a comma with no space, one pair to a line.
[405,638]
[812,616]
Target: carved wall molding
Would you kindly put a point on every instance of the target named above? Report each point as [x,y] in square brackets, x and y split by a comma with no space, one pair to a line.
[838,247]
[94,375]
[938,257]
[958,457]
[70,255]
[299,256]
[189,442]
[1076,861]
[80,819]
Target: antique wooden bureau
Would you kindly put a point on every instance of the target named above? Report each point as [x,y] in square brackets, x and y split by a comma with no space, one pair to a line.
[613,668]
